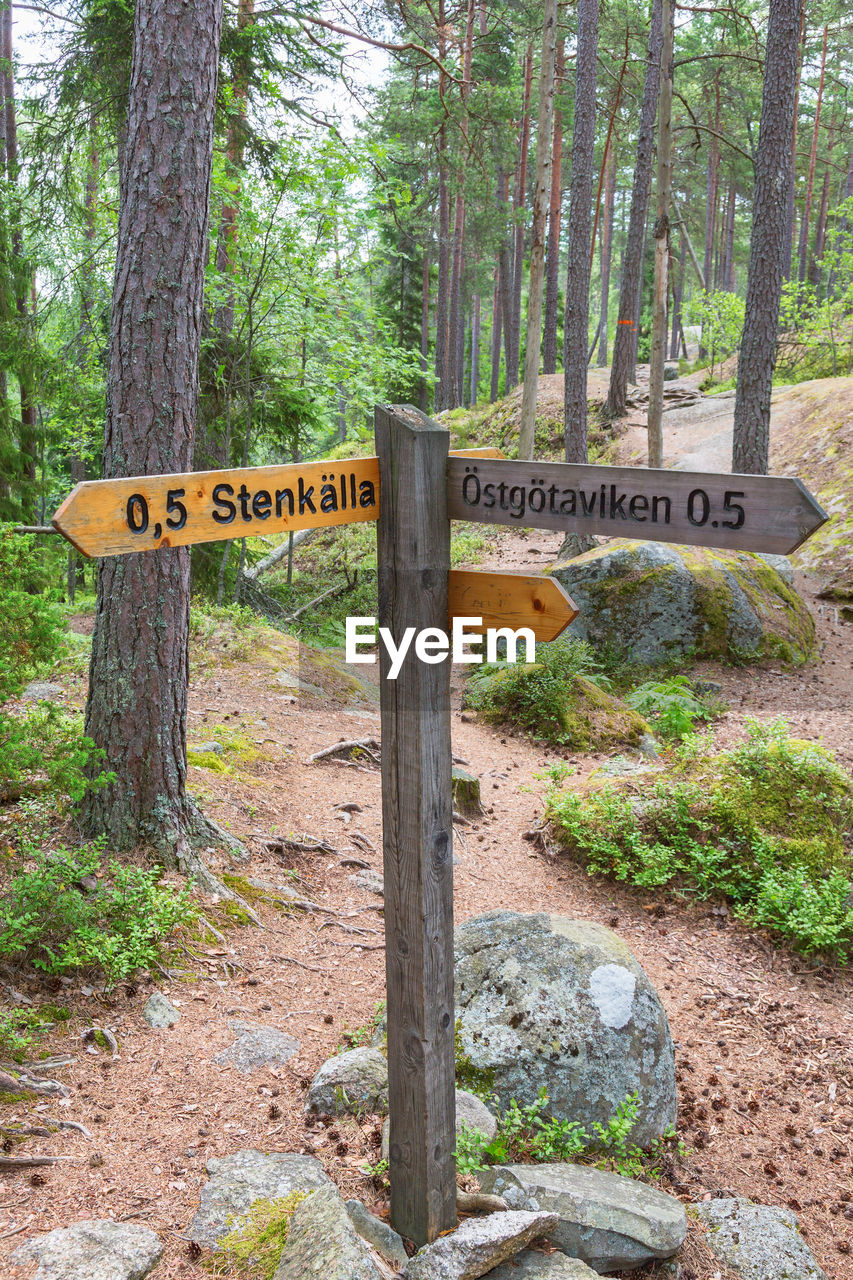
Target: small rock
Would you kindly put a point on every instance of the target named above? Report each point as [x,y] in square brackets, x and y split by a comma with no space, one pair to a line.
[369,880]
[239,1180]
[212,748]
[542,1266]
[466,793]
[478,1245]
[377,1233]
[648,745]
[38,691]
[257,1047]
[610,1222]
[350,1081]
[160,1012]
[471,1113]
[670,373]
[322,1241]
[93,1250]
[758,1241]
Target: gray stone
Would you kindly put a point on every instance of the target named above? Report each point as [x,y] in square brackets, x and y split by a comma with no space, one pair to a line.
[160,1012]
[212,748]
[239,1180]
[542,1266]
[781,564]
[546,1000]
[670,373]
[471,1113]
[94,1250]
[610,1222]
[349,1082]
[40,691]
[650,602]
[478,1245]
[384,1239]
[369,880]
[758,1241]
[322,1241]
[257,1047]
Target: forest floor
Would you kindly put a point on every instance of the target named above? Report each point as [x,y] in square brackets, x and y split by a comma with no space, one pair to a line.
[764,1039]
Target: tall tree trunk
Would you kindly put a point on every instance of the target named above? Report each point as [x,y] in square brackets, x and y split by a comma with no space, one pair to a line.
[807,209]
[137,705]
[757,358]
[443,345]
[456,371]
[541,195]
[792,185]
[555,217]
[711,201]
[632,262]
[497,313]
[424,394]
[728,272]
[823,211]
[518,222]
[606,251]
[576,324]
[661,238]
[511,339]
[475,349]
[677,298]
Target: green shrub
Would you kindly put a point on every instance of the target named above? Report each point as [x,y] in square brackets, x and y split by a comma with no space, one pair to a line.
[768,825]
[68,911]
[671,705]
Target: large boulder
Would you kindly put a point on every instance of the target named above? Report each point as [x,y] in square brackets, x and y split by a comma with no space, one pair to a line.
[351,1081]
[322,1241]
[610,1222]
[650,602]
[95,1250]
[238,1181]
[546,1000]
[758,1241]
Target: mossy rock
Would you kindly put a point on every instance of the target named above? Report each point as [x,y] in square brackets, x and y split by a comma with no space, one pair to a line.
[466,793]
[650,602]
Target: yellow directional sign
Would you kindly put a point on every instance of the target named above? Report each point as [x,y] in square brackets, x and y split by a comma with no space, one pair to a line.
[146,513]
[511,600]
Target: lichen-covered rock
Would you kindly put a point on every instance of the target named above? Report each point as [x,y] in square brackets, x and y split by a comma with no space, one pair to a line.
[239,1180]
[159,1012]
[94,1250]
[542,1266]
[758,1241]
[650,602]
[471,1113]
[546,1000]
[610,1222]
[257,1047]
[477,1246]
[322,1242]
[350,1081]
[384,1239]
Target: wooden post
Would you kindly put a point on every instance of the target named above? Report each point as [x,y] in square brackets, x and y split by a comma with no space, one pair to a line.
[413,564]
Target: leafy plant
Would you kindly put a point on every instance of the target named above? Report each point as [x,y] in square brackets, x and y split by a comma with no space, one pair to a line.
[68,911]
[767,825]
[672,705]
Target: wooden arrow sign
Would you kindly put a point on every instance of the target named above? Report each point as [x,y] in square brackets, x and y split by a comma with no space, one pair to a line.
[743,513]
[146,513]
[511,600]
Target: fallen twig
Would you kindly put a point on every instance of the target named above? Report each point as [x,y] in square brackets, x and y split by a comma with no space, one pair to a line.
[359,838]
[8,1164]
[27,1083]
[369,746]
[91,1033]
[281,844]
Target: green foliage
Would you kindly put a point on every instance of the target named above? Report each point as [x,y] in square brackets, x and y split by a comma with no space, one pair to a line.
[31,624]
[351,1039]
[18,1027]
[722,316]
[527,1134]
[69,911]
[533,697]
[253,1245]
[672,705]
[768,825]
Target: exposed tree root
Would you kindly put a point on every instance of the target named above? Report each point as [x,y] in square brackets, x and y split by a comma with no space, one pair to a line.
[369,747]
[26,1083]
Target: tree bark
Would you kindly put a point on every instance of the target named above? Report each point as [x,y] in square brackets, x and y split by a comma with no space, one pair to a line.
[807,209]
[632,263]
[757,358]
[792,211]
[456,378]
[541,195]
[497,314]
[424,394]
[511,339]
[727,275]
[606,251]
[137,705]
[475,349]
[661,238]
[443,344]
[555,216]
[576,325]
[677,298]
[518,223]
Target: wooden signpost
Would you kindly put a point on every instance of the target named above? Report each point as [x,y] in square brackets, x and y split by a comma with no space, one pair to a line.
[414,487]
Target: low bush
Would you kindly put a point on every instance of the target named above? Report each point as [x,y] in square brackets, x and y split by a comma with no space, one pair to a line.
[768,825]
[672,705]
[70,910]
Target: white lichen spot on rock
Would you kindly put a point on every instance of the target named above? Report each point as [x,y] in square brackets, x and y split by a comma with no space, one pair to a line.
[612,989]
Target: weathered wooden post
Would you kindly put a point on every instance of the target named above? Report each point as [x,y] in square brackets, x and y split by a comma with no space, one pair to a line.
[414,563]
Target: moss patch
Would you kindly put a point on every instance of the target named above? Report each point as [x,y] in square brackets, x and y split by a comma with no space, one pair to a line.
[253,1246]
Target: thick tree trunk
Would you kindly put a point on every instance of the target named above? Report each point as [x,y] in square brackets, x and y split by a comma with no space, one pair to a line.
[661,238]
[518,226]
[137,706]
[757,358]
[807,208]
[576,325]
[497,313]
[632,262]
[555,217]
[541,195]
[606,251]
